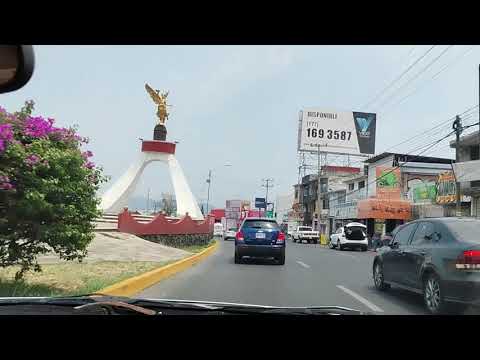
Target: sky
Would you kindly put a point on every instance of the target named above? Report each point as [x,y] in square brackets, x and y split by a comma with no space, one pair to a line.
[239,105]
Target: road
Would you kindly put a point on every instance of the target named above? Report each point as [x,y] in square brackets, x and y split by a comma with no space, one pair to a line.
[312,275]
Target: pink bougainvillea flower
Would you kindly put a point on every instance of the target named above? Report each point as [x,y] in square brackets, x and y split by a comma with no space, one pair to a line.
[89,165]
[6,186]
[32,160]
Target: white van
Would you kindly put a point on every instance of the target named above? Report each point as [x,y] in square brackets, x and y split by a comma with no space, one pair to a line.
[352,235]
[218,229]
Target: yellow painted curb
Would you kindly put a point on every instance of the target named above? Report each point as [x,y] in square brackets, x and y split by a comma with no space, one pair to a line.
[137,283]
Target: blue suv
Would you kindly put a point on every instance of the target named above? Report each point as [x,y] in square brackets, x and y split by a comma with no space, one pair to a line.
[260,237]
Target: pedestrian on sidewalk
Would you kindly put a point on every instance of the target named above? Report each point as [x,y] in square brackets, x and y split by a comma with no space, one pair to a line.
[376,241]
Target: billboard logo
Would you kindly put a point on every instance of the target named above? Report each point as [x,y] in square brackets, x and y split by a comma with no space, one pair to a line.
[364,124]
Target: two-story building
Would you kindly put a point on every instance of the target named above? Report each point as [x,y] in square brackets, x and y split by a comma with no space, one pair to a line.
[391,178]
[467,170]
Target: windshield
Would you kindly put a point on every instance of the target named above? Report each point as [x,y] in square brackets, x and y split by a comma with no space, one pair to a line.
[239,168]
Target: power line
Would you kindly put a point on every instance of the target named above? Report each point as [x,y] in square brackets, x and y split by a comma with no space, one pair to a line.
[417,75]
[431,129]
[434,76]
[399,77]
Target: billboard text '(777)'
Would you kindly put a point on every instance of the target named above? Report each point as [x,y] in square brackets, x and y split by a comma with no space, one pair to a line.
[347,132]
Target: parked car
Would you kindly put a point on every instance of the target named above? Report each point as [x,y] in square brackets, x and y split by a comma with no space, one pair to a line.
[438,258]
[230,234]
[218,229]
[260,237]
[305,233]
[352,235]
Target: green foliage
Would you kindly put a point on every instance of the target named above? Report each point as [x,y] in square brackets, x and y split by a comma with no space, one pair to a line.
[48,201]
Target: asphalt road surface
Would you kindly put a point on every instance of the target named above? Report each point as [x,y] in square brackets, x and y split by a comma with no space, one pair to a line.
[313,275]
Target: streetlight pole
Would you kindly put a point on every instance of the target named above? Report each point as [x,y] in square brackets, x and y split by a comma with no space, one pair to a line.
[209,181]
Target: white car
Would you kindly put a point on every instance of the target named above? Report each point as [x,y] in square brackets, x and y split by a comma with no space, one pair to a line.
[230,234]
[352,235]
[218,229]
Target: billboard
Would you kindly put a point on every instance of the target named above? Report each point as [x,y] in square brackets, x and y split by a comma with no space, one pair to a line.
[340,132]
[446,188]
[388,182]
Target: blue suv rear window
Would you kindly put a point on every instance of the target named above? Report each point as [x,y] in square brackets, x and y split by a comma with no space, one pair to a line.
[261,224]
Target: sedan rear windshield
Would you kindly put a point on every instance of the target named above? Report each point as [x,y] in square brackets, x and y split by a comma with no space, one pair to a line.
[465,230]
[261,224]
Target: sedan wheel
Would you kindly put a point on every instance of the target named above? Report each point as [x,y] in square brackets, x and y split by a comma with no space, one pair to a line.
[432,295]
[378,277]
[330,245]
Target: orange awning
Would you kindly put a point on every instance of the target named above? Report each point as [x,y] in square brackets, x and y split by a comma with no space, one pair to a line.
[384,209]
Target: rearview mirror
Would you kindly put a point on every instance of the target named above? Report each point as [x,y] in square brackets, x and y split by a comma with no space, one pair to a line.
[16,66]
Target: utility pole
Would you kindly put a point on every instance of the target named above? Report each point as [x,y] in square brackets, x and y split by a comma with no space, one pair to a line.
[268,184]
[209,181]
[457,127]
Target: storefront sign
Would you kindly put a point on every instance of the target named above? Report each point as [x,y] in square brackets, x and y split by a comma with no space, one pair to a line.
[424,192]
[388,183]
[384,209]
[446,188]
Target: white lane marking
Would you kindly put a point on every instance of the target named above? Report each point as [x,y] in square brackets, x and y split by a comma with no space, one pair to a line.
[303,264]
[348,255]
[364,301]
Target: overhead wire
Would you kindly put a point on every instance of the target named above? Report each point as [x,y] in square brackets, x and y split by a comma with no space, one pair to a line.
[432,128]
[455,60]
[399,77]
[416,75]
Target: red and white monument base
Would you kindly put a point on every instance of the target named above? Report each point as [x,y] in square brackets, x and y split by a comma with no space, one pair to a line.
[116,198]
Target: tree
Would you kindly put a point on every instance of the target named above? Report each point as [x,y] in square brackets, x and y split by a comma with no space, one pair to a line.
[168,204]
[48,190]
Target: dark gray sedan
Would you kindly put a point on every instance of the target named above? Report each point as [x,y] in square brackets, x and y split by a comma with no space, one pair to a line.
[438,258]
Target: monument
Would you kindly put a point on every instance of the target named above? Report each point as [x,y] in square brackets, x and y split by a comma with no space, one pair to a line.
[115,199]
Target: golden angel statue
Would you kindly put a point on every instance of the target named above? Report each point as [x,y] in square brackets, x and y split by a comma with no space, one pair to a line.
[161,100]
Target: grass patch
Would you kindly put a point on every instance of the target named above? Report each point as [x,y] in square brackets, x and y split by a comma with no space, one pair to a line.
[197,248]
[71,278]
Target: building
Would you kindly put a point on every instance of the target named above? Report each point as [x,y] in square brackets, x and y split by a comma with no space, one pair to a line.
[467,170]
[314,209]
[343,203]
[390,191]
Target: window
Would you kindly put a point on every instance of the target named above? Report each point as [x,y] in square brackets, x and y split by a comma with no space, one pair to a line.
[474,153]
[261,224]
[403,234]
[423,229]
[351,186]
[361,184]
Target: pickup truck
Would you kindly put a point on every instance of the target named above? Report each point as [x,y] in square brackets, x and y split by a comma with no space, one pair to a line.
[305,233]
